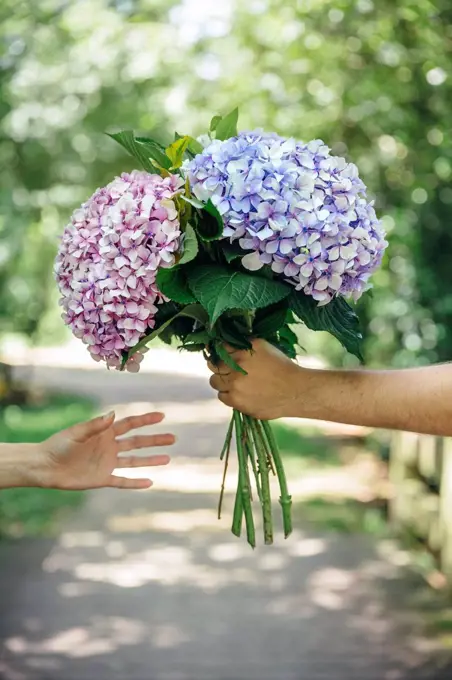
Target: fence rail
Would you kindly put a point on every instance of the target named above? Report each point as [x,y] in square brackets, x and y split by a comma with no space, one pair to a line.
[421,477]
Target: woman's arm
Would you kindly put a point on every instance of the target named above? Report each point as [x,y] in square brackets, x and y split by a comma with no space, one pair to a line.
[19,465]
[84,456]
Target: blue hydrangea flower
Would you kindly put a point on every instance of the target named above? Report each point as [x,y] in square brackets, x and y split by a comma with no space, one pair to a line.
[294,207]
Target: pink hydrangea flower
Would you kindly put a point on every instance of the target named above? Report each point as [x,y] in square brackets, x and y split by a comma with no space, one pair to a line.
[108,259]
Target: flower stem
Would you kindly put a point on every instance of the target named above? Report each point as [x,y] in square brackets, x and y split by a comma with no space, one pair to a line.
[238,504]
[249,449]
[238,512]
[285,499]
[227,442]
[261,450]
[244,482]
[225,452]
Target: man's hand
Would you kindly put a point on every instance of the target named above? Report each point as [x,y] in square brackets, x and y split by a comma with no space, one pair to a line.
[84,456]
[417,399]
[270,388]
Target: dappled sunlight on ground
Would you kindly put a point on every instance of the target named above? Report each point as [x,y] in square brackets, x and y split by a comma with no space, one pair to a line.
[208,411]
[163,599]
[150,585]
[355,480]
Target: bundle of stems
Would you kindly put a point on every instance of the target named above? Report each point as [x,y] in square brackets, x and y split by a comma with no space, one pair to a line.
[258,457]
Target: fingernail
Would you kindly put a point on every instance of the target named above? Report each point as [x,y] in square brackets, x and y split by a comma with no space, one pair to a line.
[109,415]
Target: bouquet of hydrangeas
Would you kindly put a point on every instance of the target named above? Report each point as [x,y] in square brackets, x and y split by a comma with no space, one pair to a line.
[217,241]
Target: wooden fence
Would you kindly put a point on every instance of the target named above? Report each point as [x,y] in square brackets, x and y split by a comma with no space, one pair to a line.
[421,479]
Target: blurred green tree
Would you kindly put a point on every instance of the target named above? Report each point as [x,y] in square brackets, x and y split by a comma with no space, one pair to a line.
[372,79]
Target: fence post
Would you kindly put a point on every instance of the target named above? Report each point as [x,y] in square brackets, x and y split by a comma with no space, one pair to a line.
[446,510]
[403,458]
[429,458]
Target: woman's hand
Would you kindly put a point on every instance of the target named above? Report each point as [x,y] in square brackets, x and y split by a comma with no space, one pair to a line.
[84,456]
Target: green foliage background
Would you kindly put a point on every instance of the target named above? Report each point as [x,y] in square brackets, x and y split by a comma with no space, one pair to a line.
[373,79]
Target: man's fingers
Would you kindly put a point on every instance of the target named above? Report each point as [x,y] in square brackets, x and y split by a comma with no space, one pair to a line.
[226,399]
[145,441]
[233,351]
[125,483]
[134,422]
[220,368]
[220,383]
[142,461]
[84,431]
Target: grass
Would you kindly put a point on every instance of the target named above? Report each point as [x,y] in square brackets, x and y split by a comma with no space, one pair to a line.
[307,451]
[31,512]
[344,516]
[306,448]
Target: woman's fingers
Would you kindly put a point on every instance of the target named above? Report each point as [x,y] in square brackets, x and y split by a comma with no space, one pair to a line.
[145,441]
[134,422]
[84,431]
[126,483]
[141,461]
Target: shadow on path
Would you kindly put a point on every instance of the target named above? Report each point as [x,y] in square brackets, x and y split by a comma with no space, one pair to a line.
[151,586]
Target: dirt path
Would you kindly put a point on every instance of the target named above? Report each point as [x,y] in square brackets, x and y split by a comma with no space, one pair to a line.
[150,586]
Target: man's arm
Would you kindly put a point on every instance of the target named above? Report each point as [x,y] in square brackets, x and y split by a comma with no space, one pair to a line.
[418,399]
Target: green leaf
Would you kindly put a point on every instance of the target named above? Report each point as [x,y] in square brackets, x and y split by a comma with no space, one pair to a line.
[155,151]
[143,151]
[287,334]
[182,327]
[337,318]
[210,224]
[232,331]
[214,123]
[193,201]
[157,155]
[176,150]
[166,311]
[146,340]
[219,288]
[190,245]
[290,317]
[227,126]
[224,355]
[195,312]
[194,146]
[198,338]
[193,347]
[167,335]
[149,140]
[232,251]
[173,284]
[285,347]
[269,320]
